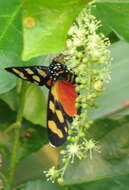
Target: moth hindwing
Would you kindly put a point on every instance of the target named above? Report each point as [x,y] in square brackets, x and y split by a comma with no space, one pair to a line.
[59,112]
[57,127]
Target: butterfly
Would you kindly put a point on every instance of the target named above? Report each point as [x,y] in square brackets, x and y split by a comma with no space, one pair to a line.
[62,95]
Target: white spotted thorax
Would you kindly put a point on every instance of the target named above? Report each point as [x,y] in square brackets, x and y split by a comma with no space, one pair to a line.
[57,70]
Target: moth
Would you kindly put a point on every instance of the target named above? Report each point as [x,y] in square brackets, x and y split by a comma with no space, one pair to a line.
[62,95]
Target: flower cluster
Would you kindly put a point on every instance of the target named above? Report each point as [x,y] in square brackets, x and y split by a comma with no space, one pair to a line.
[89,57]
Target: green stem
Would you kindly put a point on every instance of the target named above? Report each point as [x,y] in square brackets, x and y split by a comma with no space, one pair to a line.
[15,148]
[65,167]
[3,177]
[4,181]
[10,128]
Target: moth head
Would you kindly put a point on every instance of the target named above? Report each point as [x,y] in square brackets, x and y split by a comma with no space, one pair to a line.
[60,58]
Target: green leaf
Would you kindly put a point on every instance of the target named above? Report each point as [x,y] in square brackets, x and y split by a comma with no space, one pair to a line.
[5,122]
[11,98]
[40,184]
[35,104]
[105,29]
[46,24]
[113,159]
[32,167]
[33,137]
[114,15]
[116,183]
[116,93]
[10,41]
[8,118]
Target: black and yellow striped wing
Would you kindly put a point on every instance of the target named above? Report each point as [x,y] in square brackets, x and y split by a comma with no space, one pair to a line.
[62,96]
[61,108]
[36,74]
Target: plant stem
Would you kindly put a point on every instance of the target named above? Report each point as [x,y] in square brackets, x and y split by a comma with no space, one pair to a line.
[10,128]
[3,177]
[15,148]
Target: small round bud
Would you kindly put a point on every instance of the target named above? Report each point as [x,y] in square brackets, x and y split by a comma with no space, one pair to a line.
[81,134]
[60,181]
[82,86]
[82,67]
[98,85]
[62,152]
[70,132]
[78,88]
[72,139]
[90,122]
[77,105]
[87,125]
[64,160]
[69,138]
[84,106]
[78,99]
[77,79]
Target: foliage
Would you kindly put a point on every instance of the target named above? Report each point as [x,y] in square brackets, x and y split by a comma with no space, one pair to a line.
[23,136]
